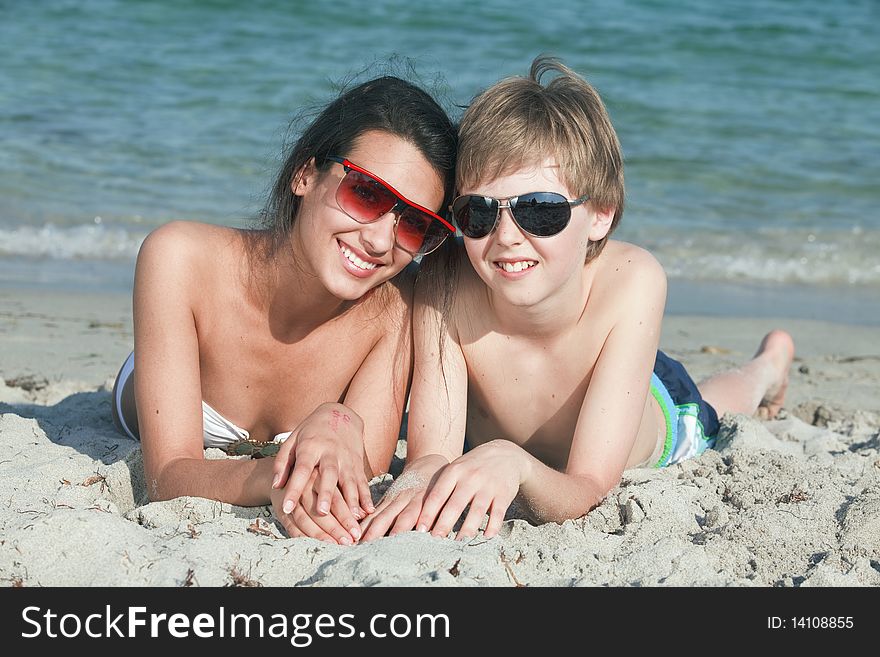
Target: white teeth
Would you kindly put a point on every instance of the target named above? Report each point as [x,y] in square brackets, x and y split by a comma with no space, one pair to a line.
[355,260]
[520,265]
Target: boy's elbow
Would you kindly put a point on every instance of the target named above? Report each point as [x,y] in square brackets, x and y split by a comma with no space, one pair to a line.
[378,464]
[594,492]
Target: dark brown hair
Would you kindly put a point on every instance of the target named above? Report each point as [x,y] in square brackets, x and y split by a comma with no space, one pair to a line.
[386,103]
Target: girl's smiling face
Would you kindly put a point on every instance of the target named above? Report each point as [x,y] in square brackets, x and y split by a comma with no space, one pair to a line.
[350,258]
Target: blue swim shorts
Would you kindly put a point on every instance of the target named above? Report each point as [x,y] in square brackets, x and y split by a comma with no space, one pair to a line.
[691,422]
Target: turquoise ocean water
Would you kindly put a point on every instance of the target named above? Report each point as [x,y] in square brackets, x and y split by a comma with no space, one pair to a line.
[751,130]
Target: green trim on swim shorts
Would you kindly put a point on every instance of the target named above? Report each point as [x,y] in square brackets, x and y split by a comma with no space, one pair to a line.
[693,410]
[667,445]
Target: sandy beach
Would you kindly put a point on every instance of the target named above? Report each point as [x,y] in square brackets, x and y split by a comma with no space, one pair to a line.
[791,502]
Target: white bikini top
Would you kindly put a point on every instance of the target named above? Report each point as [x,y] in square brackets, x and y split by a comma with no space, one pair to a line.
[220,432]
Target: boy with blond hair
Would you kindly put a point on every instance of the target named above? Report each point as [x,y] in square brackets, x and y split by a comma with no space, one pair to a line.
[536,336]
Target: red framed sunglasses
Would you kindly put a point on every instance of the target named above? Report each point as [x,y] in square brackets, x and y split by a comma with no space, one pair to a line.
[366,198]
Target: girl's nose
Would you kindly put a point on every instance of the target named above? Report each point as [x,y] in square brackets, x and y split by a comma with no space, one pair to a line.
[378,237]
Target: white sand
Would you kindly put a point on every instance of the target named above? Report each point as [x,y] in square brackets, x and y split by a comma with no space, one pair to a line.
[793,502]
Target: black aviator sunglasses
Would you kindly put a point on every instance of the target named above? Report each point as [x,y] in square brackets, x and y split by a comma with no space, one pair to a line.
[540,214]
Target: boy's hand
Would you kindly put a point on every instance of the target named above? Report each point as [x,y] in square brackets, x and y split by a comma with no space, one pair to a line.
[401,505]
[329,445]
[305,520]
[488,478]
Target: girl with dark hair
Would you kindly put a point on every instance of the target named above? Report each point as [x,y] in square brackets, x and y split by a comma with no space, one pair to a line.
[299,331]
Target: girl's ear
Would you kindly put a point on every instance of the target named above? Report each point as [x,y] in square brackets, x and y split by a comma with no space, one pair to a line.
[601,223]
[304,179]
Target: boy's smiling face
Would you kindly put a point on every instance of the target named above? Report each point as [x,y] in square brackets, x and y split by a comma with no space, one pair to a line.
[522,269]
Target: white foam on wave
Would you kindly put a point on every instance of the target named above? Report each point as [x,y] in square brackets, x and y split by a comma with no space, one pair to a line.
[90,241]
[801,257]
[807,258]
[764,268]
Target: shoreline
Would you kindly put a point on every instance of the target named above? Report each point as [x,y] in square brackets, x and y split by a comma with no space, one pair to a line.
[840,303]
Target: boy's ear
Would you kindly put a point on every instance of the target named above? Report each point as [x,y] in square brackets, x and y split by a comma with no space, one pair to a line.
[304,179]
[601,223]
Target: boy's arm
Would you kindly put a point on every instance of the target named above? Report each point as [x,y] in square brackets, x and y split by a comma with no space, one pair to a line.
[437,418]
[488,478]
[613,406]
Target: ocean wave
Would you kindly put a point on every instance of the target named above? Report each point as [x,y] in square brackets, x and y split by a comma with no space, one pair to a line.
[801,257]
[789,255]
[94,241]
[761,267]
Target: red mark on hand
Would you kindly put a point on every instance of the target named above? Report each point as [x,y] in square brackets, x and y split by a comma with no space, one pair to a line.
[336,417]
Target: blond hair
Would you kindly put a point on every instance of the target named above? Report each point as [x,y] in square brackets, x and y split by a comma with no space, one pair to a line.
[518,123]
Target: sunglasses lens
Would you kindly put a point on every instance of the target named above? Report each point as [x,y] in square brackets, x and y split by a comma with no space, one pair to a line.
[419,233]
[365,199]
[542,214]
[475,215]
[362,198]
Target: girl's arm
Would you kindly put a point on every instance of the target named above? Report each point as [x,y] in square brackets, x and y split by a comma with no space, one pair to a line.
[344,445]
[169,396]
[167,383]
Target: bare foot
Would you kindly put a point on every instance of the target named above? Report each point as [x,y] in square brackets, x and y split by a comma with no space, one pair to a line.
[778,347]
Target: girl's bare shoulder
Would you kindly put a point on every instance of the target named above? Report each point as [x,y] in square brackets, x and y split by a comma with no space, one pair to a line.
[193,255]
[195,240]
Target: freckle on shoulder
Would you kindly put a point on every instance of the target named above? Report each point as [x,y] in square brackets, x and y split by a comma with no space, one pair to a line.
[627,256]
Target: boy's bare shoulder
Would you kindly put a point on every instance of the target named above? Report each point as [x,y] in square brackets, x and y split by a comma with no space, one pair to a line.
[627,271]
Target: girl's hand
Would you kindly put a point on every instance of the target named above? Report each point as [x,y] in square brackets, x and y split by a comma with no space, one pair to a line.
[305,520]
[329,445]
[488,478]
[401,505]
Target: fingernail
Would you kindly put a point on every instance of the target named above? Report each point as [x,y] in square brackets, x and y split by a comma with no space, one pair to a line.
[275,481]
[345,540]
[357,513]
[422,528]
[324,508]
[288,506]
[356,533]
[370,508]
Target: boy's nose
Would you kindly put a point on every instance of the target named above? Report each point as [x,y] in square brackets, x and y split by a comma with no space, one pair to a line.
[508,232]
